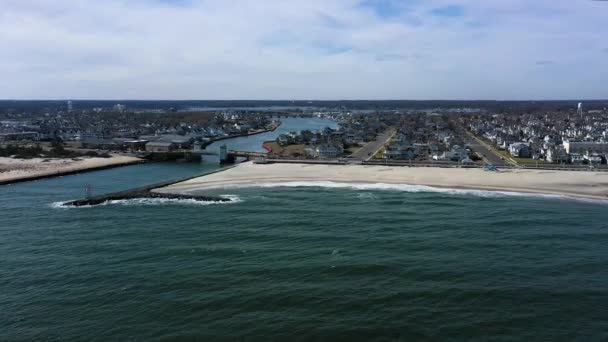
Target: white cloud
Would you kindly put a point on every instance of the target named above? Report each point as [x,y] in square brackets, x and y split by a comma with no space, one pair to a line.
[276,49]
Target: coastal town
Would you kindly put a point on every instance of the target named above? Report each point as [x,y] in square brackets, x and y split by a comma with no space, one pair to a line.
[119,129]
[304,170]
[567,137]
[455,148]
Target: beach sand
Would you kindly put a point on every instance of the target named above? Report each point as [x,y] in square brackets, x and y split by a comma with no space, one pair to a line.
[585,184]
[15,170]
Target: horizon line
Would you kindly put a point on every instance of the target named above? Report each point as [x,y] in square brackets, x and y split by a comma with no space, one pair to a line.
[303,100]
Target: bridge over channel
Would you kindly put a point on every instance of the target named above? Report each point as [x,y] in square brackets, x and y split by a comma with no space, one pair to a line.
[229,156]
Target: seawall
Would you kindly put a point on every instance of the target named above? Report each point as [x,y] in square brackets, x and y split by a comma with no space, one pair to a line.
[147,192]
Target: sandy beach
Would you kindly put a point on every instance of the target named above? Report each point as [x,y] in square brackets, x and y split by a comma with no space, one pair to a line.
[17,170]
[585,184]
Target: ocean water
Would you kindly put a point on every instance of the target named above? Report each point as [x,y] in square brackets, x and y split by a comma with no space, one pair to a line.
[315,261]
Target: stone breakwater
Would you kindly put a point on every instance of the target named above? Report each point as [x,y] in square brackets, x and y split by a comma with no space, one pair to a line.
[146,192]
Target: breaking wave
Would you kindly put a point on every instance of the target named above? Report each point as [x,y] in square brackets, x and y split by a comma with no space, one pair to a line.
[413,189]
[152,201]
[367,196]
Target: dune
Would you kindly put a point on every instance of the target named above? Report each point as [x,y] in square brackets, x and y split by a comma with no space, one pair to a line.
[18,170]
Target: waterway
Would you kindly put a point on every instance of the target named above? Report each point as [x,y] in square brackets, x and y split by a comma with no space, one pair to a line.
[297,263]
[254,143]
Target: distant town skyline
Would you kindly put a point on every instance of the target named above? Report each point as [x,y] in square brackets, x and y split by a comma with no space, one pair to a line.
[304,49]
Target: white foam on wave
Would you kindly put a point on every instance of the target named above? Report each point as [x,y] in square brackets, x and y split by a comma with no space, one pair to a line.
[59,205]
[367,196]
[412,189]
[152,201]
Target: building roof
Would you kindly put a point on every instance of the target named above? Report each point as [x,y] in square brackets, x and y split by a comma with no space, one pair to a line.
[16,133]
[160,144]
[98,141]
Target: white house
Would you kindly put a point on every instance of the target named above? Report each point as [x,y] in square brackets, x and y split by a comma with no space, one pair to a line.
[328,151]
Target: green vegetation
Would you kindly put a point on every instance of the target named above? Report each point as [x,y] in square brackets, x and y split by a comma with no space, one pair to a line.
[524,161]
[379,154]
[503,153]
[352,150]
[287,151]
[26,152]
[276,148]
[529,161]
[36,151]
[507,156]
[191,117]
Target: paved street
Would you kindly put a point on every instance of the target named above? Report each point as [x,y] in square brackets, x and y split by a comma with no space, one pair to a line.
[490,157]
[368,151]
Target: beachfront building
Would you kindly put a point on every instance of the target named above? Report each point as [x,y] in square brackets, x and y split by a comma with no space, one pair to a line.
[520,150]
[398,151]
[102,144]
[576,158]
[451,156]
[160,146]
[592,158]
[557,155]
[325,151]
[180,141]
[584,147]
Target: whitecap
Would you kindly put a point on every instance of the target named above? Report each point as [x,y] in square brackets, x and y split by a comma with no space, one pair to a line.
[153,201]
[367,196]
[411,189]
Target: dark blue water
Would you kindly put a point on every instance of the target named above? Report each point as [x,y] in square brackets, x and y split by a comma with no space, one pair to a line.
[306,263]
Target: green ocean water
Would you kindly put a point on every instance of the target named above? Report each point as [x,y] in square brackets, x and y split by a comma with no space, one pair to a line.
[300,262]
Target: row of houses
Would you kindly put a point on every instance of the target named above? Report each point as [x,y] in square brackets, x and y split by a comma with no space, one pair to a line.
[556,137]
[153,143]
[426,136]
[98,126]
[325,151]
[18,136]
[323,144]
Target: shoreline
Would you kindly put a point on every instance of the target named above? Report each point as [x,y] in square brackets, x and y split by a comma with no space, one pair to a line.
[146,192]
[27,170]
[70,167]
[248,134]
[572,184]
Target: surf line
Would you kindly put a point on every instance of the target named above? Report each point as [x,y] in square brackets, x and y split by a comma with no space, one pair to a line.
[146,192]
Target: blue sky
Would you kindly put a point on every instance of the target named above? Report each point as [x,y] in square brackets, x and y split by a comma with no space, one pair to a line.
[304,49]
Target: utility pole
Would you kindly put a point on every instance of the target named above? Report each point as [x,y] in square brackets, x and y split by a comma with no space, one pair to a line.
[88,191]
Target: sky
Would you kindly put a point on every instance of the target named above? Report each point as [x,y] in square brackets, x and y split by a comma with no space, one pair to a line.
[304,49]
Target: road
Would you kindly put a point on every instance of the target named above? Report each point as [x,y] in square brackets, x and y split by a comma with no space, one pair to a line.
[368,151]
[490,156]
